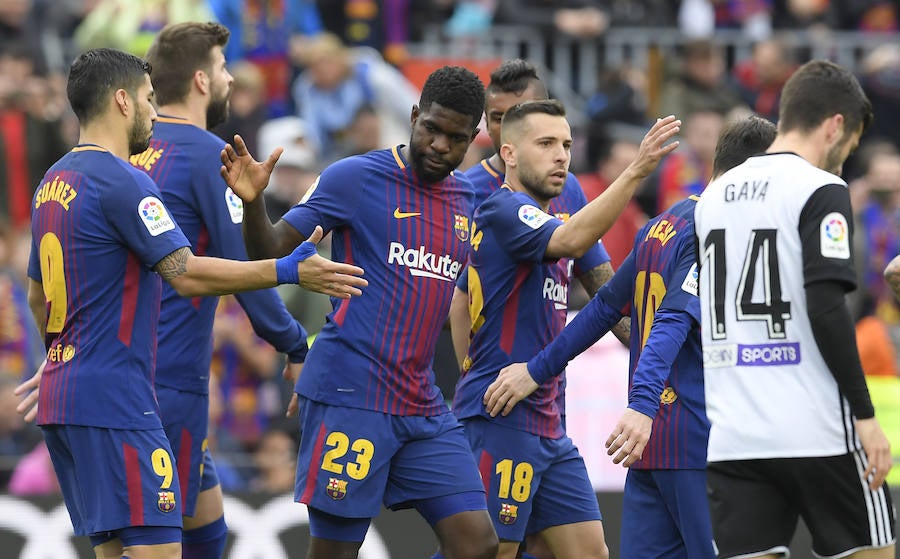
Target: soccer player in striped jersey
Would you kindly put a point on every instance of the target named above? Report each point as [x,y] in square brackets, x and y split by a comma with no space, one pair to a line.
[518,276]
[662,434]
[100,230]
[192,88]
[374,426]
[793,430]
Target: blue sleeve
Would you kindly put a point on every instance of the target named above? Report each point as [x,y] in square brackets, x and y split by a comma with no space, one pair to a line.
[34,263]
[221,214]
[595,256]
[683,283]
[462,282]
[670,330]
[522,229]
[141,219]
[334,197]
[588,326]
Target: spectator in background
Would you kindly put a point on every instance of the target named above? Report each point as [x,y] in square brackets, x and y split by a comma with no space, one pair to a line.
[248,105]
[880,78]
[30,138]
[338,82]
[608,155]
[265,33]
[382,25]
[21,347]
[575,18]
[761,77]
[16,438]
[275,459]
[700,84]
[20,23]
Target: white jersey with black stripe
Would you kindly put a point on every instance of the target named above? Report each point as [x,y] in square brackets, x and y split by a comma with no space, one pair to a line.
[766,229]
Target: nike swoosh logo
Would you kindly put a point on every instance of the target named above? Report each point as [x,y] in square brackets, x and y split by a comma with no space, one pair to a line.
[402,215]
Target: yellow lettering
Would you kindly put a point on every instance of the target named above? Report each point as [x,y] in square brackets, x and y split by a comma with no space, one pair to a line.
[56,191]
[69,198]
[146,159]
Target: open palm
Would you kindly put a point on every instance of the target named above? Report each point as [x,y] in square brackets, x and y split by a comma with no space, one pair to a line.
[246,176]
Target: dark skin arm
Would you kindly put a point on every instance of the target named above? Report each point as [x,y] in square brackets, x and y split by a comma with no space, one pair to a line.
[592,281]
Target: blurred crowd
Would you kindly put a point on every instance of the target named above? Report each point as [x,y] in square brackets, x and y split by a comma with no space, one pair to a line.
[330,78]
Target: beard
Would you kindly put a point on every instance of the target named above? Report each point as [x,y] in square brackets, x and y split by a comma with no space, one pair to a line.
[217,112]
[139,134]
[536,186]
[417,158]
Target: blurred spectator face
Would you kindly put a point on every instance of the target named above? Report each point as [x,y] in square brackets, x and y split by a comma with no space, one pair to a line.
[884,177]
[293,174]
[621,154]
[496,105]
[328,61]
[14,12]
[703,63]
[701,131]
[770,62]
[248,89]
[364,133]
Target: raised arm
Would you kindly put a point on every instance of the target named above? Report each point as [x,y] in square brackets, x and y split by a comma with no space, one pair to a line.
[588,224]
[248,177]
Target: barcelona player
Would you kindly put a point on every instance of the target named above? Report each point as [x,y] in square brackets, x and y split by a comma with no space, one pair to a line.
[374,426]
[664,511]
[193,86]
[100,229]
[518,276]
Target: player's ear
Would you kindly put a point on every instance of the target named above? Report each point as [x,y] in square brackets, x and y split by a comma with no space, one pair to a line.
[508,154]
[122,100]
[201,80]
[414,114]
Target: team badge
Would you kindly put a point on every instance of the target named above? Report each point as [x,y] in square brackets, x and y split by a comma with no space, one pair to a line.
[154,216]
[668,396]
[235,206]
[166,501]
[508,513]
[461,226]
[336,488]
[834,236]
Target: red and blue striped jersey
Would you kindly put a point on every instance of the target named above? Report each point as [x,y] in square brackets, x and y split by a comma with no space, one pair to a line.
[183,159]
[98,228]
[518,302]
[660,275]
[376,351]
[487,180]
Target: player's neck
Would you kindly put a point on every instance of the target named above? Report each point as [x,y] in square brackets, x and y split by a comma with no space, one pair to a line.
[100,133]
[191,112]
[516,186]
[497,163]
[809,146]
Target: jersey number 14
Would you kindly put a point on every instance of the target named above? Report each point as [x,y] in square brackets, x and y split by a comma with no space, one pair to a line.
[762,249]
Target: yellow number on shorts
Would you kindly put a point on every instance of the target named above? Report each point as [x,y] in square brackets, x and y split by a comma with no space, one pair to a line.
[162,466]
[53,277]
[649,290]
[339,443]
[515,483]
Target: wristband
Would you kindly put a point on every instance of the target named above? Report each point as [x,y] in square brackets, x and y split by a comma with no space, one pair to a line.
[286,267]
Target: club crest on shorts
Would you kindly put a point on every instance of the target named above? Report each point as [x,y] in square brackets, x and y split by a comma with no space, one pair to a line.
[668,396]
[336,488]
[166,501]
[508,513]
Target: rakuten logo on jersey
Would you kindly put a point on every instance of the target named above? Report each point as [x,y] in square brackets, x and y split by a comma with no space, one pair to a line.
[556,292]
[422,263]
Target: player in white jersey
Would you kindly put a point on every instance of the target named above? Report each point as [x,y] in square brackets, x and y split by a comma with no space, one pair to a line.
[793,430]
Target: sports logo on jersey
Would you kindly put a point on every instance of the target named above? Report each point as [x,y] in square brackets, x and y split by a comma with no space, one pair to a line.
[59,353]
[508,513]
[235,206]
[691,281]
[336,488]
[532,216]
[166,501]
[668,396]
[422,263]
[154,216]
[461,226]
[751,355]
[557,293]
[834,236]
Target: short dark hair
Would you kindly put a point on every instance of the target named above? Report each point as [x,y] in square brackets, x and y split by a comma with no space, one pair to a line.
[178,51]
[518,112]
[454,88]
[818,90]
[96,73]
[741,139]
[514,76]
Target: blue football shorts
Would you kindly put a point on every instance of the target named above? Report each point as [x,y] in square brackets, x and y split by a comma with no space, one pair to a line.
[532,482]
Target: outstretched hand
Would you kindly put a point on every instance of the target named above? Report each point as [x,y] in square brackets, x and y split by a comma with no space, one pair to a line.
[246,176]
[31,388]
[513,384]
[654,147]
[331,278]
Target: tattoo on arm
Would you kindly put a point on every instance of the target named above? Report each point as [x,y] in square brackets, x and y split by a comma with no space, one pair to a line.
[622,331]
[173,265]
[593,279]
